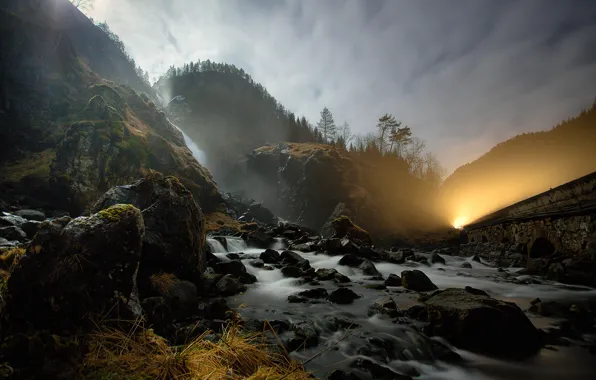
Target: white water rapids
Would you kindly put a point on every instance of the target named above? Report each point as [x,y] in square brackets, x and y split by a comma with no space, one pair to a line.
[266,299]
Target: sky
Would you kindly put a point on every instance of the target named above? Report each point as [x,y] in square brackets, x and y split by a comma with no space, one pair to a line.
[463,74]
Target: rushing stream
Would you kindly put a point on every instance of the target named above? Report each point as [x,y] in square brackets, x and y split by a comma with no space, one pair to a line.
[267,299]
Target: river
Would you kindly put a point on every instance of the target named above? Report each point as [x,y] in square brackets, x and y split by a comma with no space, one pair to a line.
[267,299]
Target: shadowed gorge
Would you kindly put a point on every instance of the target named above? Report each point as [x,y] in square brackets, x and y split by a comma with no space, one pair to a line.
[265,190]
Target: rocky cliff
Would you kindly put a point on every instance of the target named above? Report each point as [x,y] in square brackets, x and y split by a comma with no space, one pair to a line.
[67,134]
[313,184]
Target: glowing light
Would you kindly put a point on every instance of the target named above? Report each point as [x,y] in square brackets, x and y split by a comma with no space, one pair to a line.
[459,222]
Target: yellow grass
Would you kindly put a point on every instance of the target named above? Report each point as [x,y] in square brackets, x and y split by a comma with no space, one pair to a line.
[219,220]
[162,281]
[140,354]
[10,257]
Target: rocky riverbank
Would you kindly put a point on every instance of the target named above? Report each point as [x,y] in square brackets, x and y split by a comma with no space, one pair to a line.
[339,305]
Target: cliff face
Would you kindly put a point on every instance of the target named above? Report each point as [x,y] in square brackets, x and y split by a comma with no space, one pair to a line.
[313,184]
[66,134]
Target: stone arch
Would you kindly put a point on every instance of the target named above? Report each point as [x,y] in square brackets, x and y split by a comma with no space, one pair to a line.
[541,247]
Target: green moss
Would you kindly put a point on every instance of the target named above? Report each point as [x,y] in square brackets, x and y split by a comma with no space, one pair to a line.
[36,165]
[114,213]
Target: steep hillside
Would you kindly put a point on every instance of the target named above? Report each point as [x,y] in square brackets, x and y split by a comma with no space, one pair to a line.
[521,167]
[66,134]
[222,109]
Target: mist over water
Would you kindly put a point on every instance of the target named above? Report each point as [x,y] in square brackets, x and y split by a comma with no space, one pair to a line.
[196,152]
[266,299]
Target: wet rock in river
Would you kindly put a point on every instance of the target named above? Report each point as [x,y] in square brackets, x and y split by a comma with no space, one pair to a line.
[306,335]
[417,280]
[233,256]
[13,233]
[342,296]
[393,280]
[270,256]
[325,274]
[294,259]
[31,215]
[481,324]
[234,267]
[339,278]
[229,286]
[259,239]
[435,258]
[385,306]
[292,271]
[307,295]
[365,265]
[257,263]
[466,265]
[30,228]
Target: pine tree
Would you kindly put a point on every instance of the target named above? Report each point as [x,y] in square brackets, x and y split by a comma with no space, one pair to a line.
[326,125]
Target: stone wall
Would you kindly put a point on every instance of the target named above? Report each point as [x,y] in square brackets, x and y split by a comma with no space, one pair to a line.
[572,235]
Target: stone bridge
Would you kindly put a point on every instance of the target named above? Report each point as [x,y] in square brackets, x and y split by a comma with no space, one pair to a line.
[560,222]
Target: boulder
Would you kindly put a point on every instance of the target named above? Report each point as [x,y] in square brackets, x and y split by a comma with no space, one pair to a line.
[256,212]
[365,265]
[479,323]
[385,306]
[306,335]
[466,265]
[393,280]
[294,259]
[342,296]
[7,220]
[435,258]
[233,267]
[182,295]
[174,240]
[13,233]
[339,278]
[270,256]
[259,239]
[75,269]
[292,271]
[324,274]
[30,228]
[417,280]
[31,215]
[257,263]
[229,286]
[344,227]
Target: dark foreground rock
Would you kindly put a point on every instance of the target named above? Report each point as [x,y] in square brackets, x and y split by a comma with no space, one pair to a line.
[174,226]
[77,269]
[479,323]
[365,265]
[342,296]
[417,280]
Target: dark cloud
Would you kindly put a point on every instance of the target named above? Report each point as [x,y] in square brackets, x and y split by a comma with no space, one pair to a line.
[464,74]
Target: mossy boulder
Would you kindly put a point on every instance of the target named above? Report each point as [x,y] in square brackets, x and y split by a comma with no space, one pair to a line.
[174,240]
[76,270]
[344,227]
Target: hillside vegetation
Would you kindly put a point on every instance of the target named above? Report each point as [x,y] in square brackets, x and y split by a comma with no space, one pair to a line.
[521,167]
[67,134]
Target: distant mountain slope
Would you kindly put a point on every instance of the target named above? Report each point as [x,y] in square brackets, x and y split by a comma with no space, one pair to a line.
[521,167]
[224,110]
[67,134]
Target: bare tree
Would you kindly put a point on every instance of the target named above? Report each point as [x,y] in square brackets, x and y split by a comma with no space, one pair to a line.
[414,156]
[83,4]
[344,133]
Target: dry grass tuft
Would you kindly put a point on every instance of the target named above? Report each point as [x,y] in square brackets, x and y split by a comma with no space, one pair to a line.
[162,282]
[216,221]
[10,258]
[142,354]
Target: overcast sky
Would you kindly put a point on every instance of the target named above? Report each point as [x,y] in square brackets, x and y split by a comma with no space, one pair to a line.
[463,74]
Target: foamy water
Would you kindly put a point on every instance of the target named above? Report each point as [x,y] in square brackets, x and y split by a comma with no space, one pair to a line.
[267,300]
